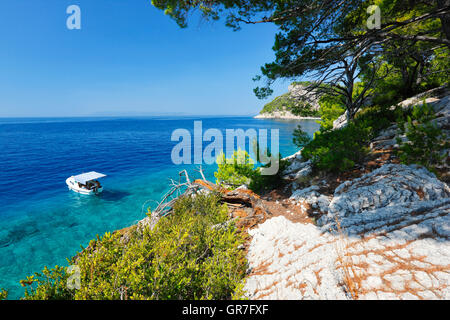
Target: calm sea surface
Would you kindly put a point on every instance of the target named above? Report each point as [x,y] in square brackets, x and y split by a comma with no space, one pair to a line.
[42,222]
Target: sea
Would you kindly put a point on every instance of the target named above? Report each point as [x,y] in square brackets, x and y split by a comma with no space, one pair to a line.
[42,222]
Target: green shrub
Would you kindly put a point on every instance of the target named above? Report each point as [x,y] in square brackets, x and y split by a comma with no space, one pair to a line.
[3,294]
[193,253]
[235,171]
[240,169]
[51,284]
[376,118]
[340,150]
[261,183]
[337,150]
[330,109]
[425,140]
[300,137]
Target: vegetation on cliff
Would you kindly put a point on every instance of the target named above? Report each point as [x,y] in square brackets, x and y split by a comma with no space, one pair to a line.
[340,150]
[425,142]
[294,105]
[240,169]
[191,254]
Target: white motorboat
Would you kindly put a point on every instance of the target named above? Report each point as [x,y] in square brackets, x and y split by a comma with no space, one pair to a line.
[86,183]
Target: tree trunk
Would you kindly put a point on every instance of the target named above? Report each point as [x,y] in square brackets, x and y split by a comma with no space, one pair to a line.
[445,20]
[349,92]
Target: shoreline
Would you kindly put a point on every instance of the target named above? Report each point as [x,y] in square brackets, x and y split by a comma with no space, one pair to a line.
[284,117]
[121,204]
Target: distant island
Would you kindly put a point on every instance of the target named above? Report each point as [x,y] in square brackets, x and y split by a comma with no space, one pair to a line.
[297,103]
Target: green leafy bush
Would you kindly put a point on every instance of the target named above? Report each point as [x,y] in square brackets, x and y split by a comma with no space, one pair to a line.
[375,118]
[337,150]
[261,183]
[300,137]
[240,169]
[235,171]
[50,284]
[425,140]
[340,150]
[330,109]
[193,253]
[3,294]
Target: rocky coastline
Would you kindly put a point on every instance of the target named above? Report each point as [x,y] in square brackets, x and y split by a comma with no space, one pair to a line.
[283,115]
[299,103]
[381,231]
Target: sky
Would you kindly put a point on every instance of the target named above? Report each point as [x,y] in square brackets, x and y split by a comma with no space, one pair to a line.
[128,58]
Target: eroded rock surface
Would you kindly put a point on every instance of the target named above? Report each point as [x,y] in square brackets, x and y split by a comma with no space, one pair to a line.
[386,236]
[389,186]
[312,196]
[341,121]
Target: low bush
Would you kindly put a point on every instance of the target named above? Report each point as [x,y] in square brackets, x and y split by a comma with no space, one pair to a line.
[3,294]
[330,109]
[190,254]
[340,150]
[425,140]
[261,183]
[240,169]
[235,171]
[300,137]
[337,150]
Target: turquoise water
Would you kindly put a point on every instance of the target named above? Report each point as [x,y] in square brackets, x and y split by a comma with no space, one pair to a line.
[42,222]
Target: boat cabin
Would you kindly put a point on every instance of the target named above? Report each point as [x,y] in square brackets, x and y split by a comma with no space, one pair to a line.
[86,183]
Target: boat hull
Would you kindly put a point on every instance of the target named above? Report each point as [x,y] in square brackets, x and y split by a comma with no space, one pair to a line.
[72,185]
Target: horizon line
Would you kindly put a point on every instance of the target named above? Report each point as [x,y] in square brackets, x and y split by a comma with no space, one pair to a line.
[128,116]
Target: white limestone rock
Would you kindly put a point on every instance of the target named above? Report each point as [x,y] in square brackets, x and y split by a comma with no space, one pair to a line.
[388,186]
[341,122]
[300,92]
[298,169]
[386,236]
[294,157]
[304,172]
[311,196]
[284,114]
[281,255]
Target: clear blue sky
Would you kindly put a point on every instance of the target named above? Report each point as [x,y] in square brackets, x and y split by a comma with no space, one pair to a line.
[128,59]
